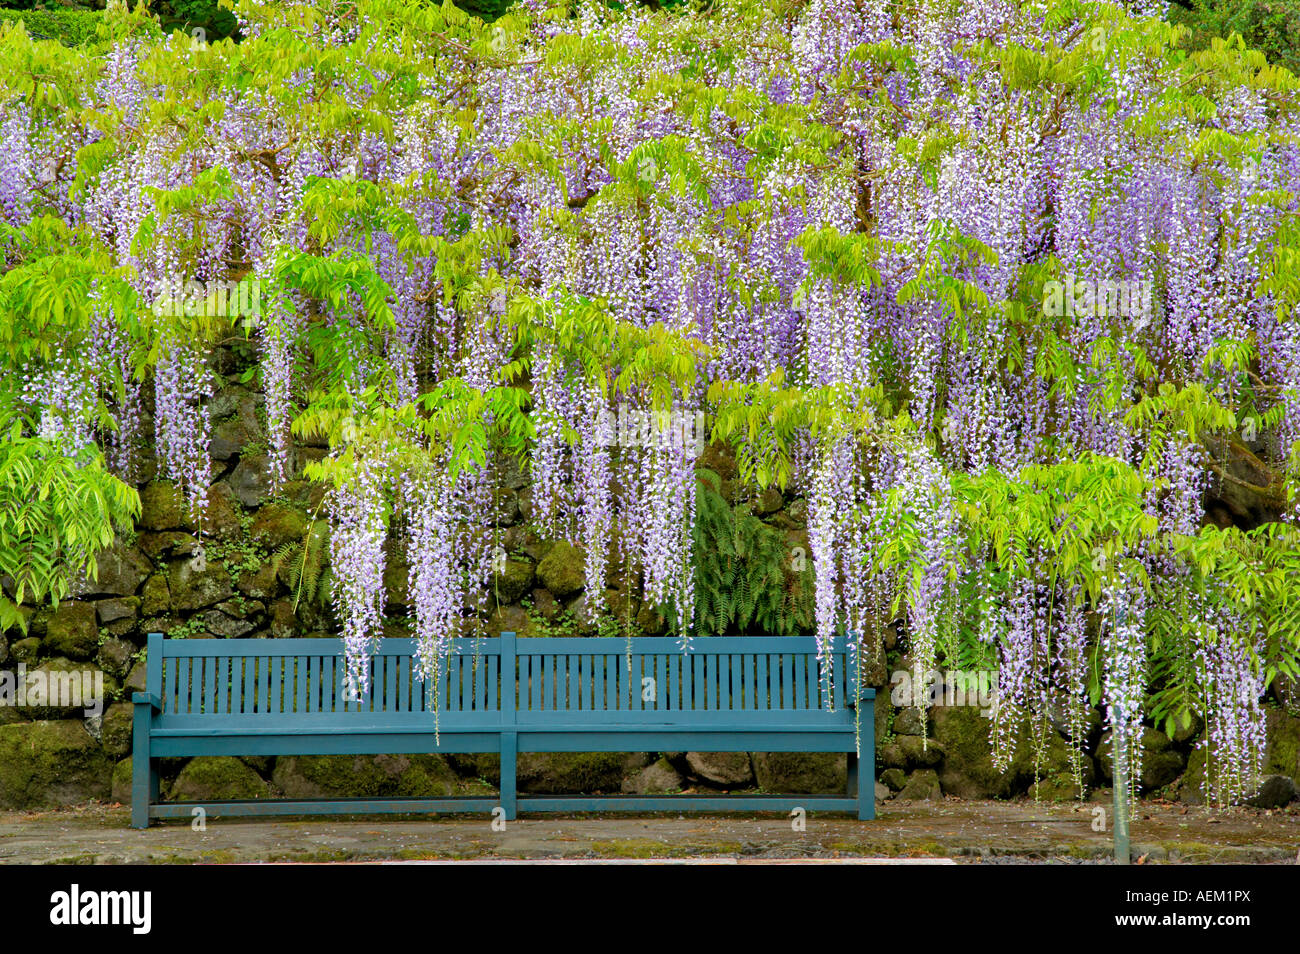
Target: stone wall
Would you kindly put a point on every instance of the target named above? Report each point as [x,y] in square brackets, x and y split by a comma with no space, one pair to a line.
[160,579]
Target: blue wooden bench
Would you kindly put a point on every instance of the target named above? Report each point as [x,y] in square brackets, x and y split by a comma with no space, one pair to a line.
[285,697]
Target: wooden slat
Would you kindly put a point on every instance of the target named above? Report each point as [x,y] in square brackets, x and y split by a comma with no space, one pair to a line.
[210,686]
[724,682]
[390,683]
[697,680]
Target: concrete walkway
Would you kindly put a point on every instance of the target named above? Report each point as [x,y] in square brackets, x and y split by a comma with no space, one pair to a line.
[970,832]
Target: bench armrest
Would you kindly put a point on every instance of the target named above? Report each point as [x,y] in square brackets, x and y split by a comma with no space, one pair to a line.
[863,695]
[149,699]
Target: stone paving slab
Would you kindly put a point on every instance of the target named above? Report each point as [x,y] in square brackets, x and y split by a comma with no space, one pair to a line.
[969,831]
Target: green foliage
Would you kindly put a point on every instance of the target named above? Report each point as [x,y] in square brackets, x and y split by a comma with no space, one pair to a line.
[69,27]
[744,583]
[1270,26]
[57,513]
[304,565]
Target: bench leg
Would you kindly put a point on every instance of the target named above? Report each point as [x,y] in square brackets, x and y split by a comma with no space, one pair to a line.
[866,774]
[509,757]
[144,775]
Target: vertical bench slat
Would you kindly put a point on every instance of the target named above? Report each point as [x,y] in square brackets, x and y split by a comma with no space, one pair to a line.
[812,681]
[210,686]
[525,664]
[492,670]
[764,700]
[674,681]
[169,684]
[338,687]
[299,683]
[195,686]
[404,684]
[611,682]
[480,682]
[390,684]
[313,684]
[561,682]
[661,683]
[696,684]
[575,683]
[724,681]
[221,672]
[247,699]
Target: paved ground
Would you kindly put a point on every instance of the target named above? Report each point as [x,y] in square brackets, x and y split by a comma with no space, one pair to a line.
[970,832]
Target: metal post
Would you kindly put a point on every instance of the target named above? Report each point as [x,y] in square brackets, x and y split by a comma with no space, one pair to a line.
[1120,771]
[1120,826]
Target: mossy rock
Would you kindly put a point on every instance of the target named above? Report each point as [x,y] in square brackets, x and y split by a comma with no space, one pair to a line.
[562,570]
[477,765]
[516,579]
[968,770]
[1282,749]
[562,773]
[1056,788]
[156,598]
[72,631]
[221,516]
[277,524]
[121,570]
[162,507]
[727,769]
[195,586]
[374,776]
[912,751]
[217,778]
[64,680]
[1162,763]
[120,787]
[51,764]
[657,779]
[801,773]
[25,650]
[115,730]
[115,656]
[922,786]
[894,778]
[1191,787]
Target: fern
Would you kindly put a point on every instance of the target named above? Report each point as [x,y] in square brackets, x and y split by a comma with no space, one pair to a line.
[743,582]
[303,565]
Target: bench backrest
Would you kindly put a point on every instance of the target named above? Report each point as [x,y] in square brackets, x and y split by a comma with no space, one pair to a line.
[554,680]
